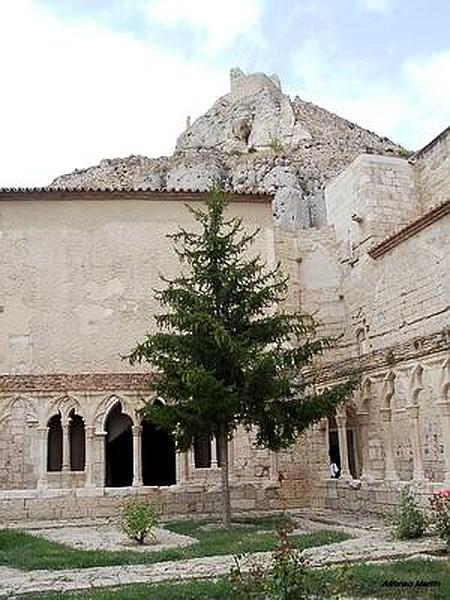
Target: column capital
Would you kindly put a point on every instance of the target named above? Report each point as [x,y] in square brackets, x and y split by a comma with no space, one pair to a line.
[386,414]
[341,420]
[412,411]
[136,429]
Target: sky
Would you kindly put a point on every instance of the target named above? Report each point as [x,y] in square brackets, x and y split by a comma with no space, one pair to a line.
[82,80]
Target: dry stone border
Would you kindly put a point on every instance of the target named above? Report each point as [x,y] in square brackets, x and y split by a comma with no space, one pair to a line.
[371,543]
[109,537]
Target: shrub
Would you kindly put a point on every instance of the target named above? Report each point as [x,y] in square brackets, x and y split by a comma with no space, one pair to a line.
[138,519]
[285,580]
[409,521]
[440,514]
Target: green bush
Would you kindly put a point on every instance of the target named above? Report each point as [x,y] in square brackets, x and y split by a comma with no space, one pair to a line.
[409,521]
[138,519]
[440,515]
[285,580]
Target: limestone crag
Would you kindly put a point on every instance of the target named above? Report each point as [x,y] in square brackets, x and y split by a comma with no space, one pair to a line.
[255,138]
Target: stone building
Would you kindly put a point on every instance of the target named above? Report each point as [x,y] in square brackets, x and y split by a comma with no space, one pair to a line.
[361,227]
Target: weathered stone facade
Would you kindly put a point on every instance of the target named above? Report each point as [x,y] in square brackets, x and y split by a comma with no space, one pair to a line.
[364,235]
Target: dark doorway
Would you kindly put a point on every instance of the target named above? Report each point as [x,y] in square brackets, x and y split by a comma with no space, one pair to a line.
[77,442]
[202,452]
[54,444]
[118,449]
[351,453]
[333,445]
[158,455]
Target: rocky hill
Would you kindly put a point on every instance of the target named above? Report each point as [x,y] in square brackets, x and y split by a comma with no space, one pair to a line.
[255,138]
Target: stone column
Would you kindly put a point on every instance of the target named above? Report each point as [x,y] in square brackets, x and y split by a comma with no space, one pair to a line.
[341,421]
[137,455]
[181,467]
[100,442]
[90,456]
[42,434]
[66,446]
[444,413]
[214,463]
[323,450]
[390,473]
[414,436]
[363,434]
[273,466]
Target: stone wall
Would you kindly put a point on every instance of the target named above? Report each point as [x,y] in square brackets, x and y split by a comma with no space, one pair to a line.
[76,277]
[432,164]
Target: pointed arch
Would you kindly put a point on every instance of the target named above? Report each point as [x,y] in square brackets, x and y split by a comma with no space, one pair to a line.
[118,447]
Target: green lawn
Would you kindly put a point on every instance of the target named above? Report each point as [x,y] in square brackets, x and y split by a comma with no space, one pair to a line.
[400,580]
[24,551]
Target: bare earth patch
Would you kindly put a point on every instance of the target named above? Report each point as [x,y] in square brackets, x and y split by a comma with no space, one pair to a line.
[108,536]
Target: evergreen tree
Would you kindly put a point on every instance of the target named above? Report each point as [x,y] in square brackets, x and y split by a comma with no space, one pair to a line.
[222,356]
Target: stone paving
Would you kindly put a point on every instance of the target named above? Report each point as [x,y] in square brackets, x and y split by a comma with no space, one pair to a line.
[371,543]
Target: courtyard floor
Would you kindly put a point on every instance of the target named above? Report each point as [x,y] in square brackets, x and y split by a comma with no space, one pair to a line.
[370,542]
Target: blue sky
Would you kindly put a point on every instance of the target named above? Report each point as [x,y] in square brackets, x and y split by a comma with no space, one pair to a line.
[89,79]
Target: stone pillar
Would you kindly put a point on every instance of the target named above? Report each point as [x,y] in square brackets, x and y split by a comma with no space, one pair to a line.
[214,463]
[363,434]
[182,471]
[390,473]
[100,439]
[414,435]
[273,466]
[90,456]
[323,448]
[42,433]
[137,455]
[66,446]
[444,413]
[341,421]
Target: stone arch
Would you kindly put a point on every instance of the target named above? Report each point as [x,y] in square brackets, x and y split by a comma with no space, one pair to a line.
[118,447]
[416,384]
[353,441]
[55,443]
[158,454]
[105,407]
[77,441]
[388,390]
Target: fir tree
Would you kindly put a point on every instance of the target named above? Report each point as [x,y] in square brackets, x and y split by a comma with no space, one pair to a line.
[222,356]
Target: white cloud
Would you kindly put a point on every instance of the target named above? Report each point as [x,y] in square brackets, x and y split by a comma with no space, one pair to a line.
[411,110]
[379,6]
[74,92]
[219,22]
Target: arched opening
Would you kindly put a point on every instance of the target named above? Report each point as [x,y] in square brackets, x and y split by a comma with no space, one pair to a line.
[333,447]
[118,448]
[158,455]
[353,451]
[202,452]
[353,444]
[77,442]
[54,443]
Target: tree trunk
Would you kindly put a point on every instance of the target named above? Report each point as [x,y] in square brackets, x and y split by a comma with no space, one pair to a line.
[224,468]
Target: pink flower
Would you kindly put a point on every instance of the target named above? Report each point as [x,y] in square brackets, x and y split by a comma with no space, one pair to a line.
[442,493]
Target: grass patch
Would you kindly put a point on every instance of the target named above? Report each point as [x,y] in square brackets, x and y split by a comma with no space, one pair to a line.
[405,581]
[24,551]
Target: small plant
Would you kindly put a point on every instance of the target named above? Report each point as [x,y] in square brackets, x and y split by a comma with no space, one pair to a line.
[440,514]
[275,145]
[409,521]
[138,520]
[285,580]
